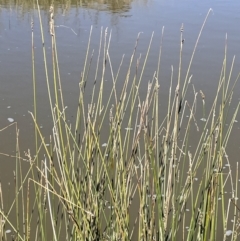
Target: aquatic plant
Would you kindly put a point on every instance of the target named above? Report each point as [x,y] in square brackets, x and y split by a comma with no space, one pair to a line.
[123,171]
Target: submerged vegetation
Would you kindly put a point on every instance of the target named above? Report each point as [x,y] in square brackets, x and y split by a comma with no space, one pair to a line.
[144,182]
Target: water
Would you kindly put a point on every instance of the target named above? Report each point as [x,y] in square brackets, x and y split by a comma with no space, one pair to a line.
[124,20]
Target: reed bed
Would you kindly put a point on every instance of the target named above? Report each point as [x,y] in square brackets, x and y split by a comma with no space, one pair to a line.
[145,182]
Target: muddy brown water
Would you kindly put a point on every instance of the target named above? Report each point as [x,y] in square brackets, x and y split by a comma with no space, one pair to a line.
[125,19]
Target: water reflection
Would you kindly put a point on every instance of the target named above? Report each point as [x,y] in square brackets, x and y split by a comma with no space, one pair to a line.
[108,5]
[92,9]
[113,6]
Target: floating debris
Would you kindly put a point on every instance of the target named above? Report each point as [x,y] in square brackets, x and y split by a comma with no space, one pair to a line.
[104,144]
[203,119]
[187,210]
[10,119]
[227,165]
[8,231]
[9,107]
[235,121]
[196,179]
[228,232]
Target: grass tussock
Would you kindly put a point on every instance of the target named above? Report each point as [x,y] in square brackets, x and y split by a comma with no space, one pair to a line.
[145,182]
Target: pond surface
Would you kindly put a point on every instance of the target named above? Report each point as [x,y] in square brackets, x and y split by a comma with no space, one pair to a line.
[124,19]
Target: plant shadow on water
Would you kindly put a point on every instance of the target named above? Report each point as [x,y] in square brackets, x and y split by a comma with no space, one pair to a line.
[125,169]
